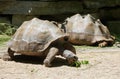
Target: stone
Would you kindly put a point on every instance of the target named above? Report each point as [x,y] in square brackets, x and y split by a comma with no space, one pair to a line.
[5,19]
[100,3]
[19,19]
[41,7]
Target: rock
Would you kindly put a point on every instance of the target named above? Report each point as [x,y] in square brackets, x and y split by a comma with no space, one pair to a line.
[100,3]
[41,7]
[22,18]
[4,19]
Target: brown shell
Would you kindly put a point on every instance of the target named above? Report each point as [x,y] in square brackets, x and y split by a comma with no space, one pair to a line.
[85,30]
[35,35]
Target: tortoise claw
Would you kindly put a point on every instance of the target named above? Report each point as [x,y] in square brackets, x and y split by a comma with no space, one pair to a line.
[102,44]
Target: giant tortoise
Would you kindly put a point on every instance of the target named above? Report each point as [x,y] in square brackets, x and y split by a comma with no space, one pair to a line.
[41,38]
[86,30]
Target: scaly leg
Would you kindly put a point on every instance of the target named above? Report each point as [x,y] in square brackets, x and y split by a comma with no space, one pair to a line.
[50,56]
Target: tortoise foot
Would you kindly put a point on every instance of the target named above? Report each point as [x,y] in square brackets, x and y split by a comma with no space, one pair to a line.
[102,44]
[6,57]
[47,63]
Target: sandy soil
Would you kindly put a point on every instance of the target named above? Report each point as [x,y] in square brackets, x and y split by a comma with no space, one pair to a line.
[104,63]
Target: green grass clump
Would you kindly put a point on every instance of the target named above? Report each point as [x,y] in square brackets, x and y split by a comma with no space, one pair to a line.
[84,62]
[7,29]
[79,63]
[3,39]
[76,64]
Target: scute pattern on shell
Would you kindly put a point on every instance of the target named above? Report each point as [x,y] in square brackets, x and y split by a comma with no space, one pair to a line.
[86,30]
[35,35]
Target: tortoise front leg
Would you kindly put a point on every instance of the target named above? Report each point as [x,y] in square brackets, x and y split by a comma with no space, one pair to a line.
[9,55]
[50,56]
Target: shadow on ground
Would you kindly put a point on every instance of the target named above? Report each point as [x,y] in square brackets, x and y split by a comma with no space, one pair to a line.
[58,61]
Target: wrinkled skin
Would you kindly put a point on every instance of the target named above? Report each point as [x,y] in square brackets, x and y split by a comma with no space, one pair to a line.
[41,38]
[85,30]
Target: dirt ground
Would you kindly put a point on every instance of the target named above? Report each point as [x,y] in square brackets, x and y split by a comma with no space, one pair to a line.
[104,63]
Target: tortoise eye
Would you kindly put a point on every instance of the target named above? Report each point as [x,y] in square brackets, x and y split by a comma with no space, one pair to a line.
[66,38]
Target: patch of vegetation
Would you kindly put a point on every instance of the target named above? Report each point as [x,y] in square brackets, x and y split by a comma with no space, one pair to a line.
[7,29]
[84,62]
[79,63]
[3,39]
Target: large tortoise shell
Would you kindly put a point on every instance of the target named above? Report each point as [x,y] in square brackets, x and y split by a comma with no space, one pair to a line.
[86,30]
[35,35]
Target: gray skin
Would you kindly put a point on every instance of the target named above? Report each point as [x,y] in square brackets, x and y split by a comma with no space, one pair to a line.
[64,49]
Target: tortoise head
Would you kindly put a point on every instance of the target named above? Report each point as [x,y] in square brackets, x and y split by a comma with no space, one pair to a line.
[70,56]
